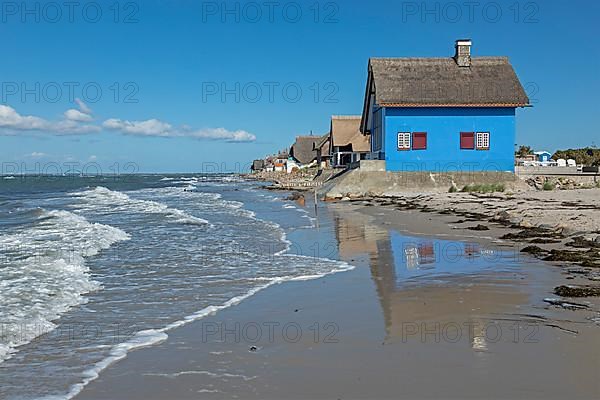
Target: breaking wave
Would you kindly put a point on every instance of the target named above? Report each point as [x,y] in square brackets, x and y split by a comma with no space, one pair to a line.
[45,274]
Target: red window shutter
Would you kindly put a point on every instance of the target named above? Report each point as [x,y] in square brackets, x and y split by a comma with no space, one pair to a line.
[467,140]
[419,140]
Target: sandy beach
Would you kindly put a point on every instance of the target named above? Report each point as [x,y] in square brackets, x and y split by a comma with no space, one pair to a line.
[432,309]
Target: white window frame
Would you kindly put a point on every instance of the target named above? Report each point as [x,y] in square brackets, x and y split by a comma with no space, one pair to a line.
[404,140]
[482,141]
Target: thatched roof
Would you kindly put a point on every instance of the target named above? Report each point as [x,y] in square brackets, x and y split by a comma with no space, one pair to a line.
[440,82]
[257,165]
[345,130]
[322,142]
[303,149]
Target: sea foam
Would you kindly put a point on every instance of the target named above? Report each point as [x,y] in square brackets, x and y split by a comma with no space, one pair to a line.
[117,201]
[45,273]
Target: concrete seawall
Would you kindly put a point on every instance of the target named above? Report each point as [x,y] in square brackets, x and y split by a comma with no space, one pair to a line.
[358,182]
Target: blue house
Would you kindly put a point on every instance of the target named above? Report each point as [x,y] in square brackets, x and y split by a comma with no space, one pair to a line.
[543,156]
[443,114]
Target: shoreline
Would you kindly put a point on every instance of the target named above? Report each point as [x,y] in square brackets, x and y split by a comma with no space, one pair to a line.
[370,312]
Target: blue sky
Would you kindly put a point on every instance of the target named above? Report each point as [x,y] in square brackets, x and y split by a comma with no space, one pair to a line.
[179,80]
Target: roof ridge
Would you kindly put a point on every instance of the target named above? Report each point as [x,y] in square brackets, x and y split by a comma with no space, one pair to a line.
[346,116]
[408,58]
[435,58]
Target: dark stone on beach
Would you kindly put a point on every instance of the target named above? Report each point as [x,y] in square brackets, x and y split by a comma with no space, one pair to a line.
[502,216]
[478,228]
[583,271]
[544,241]
[253,348]
[535,250]
[590,264]
[577,291]
[533,233]
[546,227]
[566,304]
[581,242]
[295,196]
[566,255]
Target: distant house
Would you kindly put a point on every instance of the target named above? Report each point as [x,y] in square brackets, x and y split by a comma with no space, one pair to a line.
[258,165]
[323,150]
[303,150]
[280,162]
[276,163]
[543,156]
[442,114]
[347,143]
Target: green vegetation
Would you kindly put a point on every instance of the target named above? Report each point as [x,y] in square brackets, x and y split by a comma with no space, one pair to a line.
[484,188]
[585,156]
[548,186]
[453,189]
[524,151]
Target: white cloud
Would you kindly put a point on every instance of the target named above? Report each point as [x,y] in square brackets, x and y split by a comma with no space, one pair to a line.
[78,122]
[154,127]
[92,158]
[67,127]
[83,107]
[10,119]
[151,127]
[37,154]
[84,114]
[223,134]
[78,116]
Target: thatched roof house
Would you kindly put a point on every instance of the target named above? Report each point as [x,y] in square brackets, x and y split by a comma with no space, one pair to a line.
[323,149]
[345,133]
[347,143]
[433,114]
[303,150]
[323,144]
[258,165]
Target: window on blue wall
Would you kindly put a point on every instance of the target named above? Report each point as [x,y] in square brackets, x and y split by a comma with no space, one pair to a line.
[483,141]
[404,140]
[467,140]
[419,140]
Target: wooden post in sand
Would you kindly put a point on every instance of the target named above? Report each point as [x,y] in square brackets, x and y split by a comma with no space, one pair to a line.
[316,210]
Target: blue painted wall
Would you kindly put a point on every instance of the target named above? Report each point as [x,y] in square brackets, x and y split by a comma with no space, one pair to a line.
[443,127]
[544,157]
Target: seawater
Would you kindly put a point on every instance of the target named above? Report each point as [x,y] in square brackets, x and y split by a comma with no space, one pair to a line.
[94,267]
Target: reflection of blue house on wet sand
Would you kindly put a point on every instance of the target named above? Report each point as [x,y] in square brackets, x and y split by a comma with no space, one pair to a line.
[438,259]
[443,114]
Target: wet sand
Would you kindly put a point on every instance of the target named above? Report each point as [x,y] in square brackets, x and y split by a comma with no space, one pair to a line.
[430,311]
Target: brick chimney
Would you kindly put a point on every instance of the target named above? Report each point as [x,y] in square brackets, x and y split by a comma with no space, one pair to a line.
[463,52]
